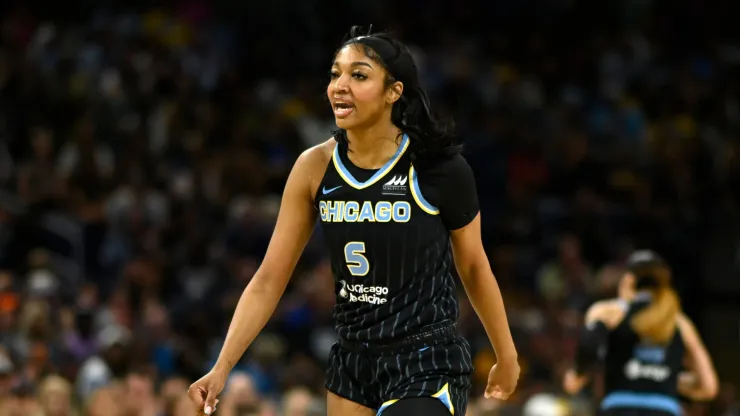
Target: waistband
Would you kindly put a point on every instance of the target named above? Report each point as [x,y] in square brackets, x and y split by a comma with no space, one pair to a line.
[647,401]
[426,336]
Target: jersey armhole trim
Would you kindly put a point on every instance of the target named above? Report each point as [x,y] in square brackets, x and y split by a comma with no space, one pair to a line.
[315,195]
[418,197]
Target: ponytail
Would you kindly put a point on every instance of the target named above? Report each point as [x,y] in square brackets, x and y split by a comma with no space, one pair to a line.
[429,135]
[657,322]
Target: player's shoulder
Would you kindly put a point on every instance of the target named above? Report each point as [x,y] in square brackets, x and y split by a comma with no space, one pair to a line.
[311,165]
[450,167]
[685,326]
[319,154]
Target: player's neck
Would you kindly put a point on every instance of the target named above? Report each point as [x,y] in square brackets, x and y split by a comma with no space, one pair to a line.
[372,147]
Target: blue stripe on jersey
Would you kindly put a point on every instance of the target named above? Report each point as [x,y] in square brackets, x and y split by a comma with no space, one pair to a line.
[626,399]
[347,176]
[418,197]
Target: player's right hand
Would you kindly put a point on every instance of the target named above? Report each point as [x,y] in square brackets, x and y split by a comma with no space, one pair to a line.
[204,392]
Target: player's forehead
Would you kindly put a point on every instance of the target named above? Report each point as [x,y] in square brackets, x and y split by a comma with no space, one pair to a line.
[353,55]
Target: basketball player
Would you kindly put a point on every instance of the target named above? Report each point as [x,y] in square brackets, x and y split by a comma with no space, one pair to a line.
[643,339]
[395,200]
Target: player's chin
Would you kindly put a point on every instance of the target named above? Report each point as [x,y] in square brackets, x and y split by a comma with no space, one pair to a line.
[352,120]
[346,123]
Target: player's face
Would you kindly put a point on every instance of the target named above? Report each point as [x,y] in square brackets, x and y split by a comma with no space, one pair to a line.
[357,90]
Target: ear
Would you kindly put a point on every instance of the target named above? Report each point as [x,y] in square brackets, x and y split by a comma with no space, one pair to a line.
[394,92]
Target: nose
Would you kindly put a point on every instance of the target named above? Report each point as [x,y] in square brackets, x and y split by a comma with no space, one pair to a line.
[340,85]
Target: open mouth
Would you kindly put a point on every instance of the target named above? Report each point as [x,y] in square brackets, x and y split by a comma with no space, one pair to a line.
[343,109]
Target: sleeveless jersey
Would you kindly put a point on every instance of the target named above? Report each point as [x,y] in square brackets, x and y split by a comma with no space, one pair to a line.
[390,252]
[638,374]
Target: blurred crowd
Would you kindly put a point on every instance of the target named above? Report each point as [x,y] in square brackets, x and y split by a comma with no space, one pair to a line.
[143,153]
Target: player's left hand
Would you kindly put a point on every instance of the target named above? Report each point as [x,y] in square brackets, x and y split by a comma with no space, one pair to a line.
[573,382]
[502,380]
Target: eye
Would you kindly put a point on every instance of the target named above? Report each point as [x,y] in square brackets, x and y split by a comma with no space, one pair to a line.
[359,76]
[333,74]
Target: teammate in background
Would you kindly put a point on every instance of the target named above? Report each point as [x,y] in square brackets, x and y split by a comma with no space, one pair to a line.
[643,339]
[396,202]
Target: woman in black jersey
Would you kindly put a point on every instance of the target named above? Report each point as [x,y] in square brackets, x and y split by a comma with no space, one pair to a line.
[396,201]
[643,339]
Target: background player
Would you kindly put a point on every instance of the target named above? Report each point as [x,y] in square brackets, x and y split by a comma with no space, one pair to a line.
[396,200]
[644,339]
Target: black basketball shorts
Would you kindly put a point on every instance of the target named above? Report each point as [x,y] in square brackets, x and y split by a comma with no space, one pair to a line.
[379,376]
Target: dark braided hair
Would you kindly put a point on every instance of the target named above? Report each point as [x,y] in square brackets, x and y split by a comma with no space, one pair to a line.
[430,137]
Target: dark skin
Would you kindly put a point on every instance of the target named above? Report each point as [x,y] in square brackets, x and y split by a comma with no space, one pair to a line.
[362,104]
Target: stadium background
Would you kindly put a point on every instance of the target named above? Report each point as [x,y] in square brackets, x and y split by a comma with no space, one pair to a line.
[144,146]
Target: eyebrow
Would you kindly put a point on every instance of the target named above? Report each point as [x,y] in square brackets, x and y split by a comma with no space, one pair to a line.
[356,64]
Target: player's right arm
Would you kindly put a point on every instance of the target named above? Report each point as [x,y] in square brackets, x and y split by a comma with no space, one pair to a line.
[701,383]
[600,318]
[293,228]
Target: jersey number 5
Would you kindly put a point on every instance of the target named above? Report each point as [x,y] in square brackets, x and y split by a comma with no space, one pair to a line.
[356,262]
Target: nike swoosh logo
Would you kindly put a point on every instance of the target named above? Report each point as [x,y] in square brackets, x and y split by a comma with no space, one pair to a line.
[328,191]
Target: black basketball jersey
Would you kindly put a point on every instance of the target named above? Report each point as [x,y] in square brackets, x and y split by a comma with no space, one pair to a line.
[390,251]
[639,374]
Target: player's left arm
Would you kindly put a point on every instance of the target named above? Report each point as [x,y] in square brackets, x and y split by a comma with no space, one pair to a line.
[483,291]
[459,209]
[701,383]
